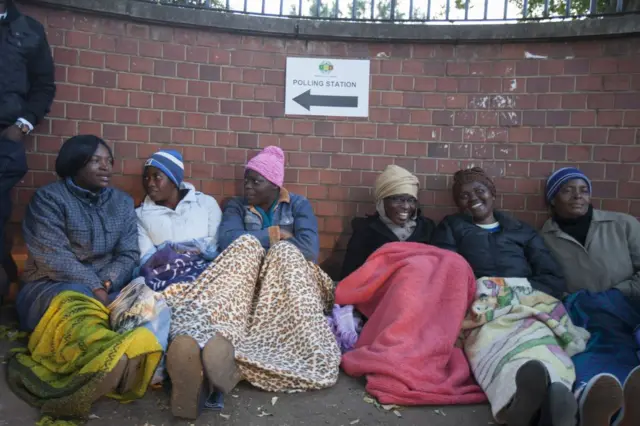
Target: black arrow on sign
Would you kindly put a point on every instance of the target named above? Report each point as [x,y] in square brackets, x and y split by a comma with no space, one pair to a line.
[306,100]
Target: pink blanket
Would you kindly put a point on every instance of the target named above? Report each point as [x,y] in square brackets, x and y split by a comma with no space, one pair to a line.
[415,297]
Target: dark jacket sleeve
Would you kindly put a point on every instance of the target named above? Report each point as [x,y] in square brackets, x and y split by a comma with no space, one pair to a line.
[357,249]
[41,73]
[126,253]
[430,227]
[443,236]
[546,272]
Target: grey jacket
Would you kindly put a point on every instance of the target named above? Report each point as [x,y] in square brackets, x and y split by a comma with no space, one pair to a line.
[609,259]
[75,236]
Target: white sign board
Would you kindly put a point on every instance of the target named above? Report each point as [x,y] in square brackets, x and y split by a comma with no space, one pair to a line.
[319,86]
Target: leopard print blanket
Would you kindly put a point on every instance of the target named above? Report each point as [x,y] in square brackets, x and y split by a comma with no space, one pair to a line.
[270,305]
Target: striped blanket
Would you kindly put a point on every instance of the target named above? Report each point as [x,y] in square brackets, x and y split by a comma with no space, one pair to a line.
[510,323]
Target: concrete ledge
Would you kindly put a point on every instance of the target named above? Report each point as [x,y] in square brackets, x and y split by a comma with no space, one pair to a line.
[614,26]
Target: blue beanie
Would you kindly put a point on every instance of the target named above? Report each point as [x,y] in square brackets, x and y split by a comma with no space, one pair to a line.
[170,163]
[560,177]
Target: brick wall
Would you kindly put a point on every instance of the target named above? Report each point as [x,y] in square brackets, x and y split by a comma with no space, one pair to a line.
[434,109]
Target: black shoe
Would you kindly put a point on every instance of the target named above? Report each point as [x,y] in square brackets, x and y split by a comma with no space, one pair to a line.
[560,408]
[532,382]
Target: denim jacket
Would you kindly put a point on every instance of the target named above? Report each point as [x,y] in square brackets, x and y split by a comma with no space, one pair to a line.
[293,213]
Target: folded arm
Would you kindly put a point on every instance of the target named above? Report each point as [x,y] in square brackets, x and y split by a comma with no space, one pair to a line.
[126,253]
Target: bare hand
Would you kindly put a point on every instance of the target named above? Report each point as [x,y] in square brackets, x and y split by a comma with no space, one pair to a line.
[12,133]
[101,295]
[285,235]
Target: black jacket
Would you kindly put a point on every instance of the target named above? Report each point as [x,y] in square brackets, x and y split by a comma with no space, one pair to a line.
[27,86]
[370,233]
[515,251]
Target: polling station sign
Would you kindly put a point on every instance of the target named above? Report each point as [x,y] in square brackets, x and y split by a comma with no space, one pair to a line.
[320,86]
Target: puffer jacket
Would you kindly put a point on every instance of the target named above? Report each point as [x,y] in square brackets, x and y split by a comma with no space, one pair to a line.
[515,251]
[27,78]
[197,216]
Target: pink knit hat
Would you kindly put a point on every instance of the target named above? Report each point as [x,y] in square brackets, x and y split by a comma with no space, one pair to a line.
[270,164]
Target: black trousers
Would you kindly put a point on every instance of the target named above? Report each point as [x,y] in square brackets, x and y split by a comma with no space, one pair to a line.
[13,167]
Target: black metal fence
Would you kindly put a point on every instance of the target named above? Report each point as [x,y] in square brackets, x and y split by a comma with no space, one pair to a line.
[419,11]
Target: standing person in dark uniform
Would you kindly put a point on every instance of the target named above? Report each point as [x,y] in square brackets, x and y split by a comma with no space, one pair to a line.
[27,90]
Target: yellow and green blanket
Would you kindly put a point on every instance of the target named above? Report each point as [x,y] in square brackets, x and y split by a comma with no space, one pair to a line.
[70,353]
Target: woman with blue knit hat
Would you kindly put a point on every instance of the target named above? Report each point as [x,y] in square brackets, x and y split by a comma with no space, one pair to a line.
[173,210]
[599,252]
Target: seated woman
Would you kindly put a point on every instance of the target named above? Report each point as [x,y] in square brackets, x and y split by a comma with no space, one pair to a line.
[80,233]
[257,312]
[83,246]
[517,331]
[397,218]
[177,225]
[599,252]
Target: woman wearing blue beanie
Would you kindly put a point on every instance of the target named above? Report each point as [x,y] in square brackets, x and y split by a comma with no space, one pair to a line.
[599,252]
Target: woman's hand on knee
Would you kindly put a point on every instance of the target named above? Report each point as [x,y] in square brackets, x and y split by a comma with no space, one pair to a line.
[101,295]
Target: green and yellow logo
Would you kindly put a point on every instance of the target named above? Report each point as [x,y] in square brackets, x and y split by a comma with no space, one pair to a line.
[325,67]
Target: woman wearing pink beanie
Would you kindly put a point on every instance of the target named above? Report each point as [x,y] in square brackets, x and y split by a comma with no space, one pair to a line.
[258,310]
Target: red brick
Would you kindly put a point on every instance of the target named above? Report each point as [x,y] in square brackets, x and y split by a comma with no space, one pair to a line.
[189,71]
[457,68]
[538,85]
[91,59]
[142,65]
[563,84]
[616,82]
[447,85]
[103,113]
[594,136]
[129,81]
[622,137]
[103,43]
[403,83]
[161,101]
[610,118]
[579,153]
[127,46]
[175,86]
[632,118]
[567,135]
[631,154]
[165,68]
[117,62]
[78,112]
[589,84]
[138,134]
[574,101]
[77,39]
[583,118]
[600,101]
[606,153]
[604,66]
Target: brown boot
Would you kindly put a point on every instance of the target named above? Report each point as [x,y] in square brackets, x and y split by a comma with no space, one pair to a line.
[131,374]
[111,380]
[218,358]
[184,365]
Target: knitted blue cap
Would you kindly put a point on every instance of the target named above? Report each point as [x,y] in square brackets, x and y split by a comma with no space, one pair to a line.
[560,177]
[170,163]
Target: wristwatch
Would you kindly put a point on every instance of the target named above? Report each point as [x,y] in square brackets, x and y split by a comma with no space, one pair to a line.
[23,127]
